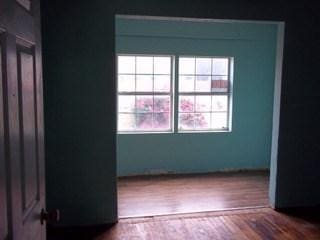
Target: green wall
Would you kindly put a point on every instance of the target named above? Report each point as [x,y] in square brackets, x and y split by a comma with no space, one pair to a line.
[248,146]
[80,93]
[80,130]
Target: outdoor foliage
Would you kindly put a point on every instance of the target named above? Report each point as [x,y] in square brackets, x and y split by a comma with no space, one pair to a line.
[190,119]
[153,113]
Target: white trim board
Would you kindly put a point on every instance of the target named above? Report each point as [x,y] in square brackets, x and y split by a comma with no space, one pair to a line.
[186,19]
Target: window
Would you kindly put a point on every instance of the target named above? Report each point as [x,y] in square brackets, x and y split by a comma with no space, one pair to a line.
[144,93]
[204,93]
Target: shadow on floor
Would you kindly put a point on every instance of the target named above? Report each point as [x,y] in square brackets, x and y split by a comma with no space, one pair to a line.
[78,233]
[310,214]
[298,215]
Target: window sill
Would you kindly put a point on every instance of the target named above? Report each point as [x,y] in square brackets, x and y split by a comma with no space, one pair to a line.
[205,131]
[140,133]
[178,132]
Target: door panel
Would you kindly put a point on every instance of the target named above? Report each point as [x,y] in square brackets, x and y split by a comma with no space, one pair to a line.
[25,3]
[3,193]
[29,159]
[23,121]
[28,137]
[26,30]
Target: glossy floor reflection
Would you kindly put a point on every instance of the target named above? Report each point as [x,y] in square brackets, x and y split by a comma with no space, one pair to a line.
[162,195]
[247,224]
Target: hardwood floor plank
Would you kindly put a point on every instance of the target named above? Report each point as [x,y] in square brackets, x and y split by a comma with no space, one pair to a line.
[178,197]
[255,224]
[244,227]
[158,195]
[233,228]
[248,224]
[175,229]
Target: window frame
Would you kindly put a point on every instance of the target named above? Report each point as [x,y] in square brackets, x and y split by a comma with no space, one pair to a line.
[228,93]
[171,93]
[175,94]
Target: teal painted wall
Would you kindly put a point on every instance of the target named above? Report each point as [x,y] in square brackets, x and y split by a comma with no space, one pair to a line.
[80,111]
[253,47]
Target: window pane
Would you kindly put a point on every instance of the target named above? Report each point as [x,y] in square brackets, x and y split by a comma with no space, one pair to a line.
[161,104]
[203,103]
[162,65]
[126,83]
[126,122]
[219,120]
[203,84]
[201,78]
[126,64]
[151,76]
[162,83]
[144,104]
[126,103]
[220,66]
[219,103]
[203,66]
[144,121]
[186,103]
[186,83]
[186,121]
[144,83]
[161,121]
[219,84]
[202,120]
[186,65]
[144,65]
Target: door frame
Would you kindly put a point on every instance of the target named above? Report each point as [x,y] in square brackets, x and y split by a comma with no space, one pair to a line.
[277,86]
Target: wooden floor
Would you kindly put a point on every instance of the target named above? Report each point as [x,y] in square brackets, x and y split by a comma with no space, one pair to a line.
[175,194]
[251,224]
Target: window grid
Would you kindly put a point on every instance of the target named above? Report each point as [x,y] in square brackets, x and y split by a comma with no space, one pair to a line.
[174,109]
[210,94]
[195,111]
[195,75]
[153,94]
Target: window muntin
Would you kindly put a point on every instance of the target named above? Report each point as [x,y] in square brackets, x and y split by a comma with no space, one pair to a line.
[204,93]
[144,93]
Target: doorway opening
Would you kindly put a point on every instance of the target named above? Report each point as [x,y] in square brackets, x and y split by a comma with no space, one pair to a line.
[198,111]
